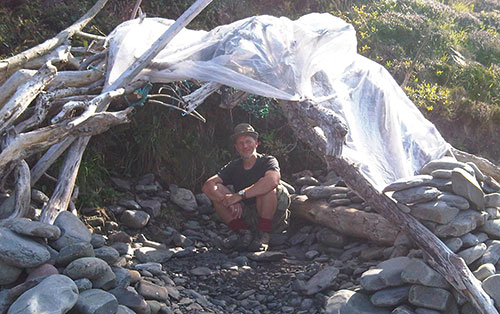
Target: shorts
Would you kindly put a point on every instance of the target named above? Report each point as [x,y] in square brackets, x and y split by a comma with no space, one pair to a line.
[280,219]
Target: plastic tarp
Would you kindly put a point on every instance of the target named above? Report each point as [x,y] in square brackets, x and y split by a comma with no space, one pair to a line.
[313,57]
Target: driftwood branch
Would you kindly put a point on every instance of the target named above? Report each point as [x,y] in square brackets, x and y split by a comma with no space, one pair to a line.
[10,86]
[25,95]
[452,267]
[12,64]
[486,167]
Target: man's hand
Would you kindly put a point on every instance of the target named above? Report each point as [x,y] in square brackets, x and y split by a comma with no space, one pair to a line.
[236,210]
[231,199]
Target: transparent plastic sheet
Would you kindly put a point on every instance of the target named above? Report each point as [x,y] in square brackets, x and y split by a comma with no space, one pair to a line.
[313,58]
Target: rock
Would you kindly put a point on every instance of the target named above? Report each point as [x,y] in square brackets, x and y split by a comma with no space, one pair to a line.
[32,228]
[55,294]
[469,240]
[72,230]
[8,273]
[97,241]
[464,184]
[42,271]
[329,237]
[454,244]
[183,198]
[493,212]
[385,274]
[201,271]
[465,221]
[472,254]
[320,192]
[117,210]
[390,296]
[339,202]
[477,172]
[347,301]
[150,291]
[441,174]
[120,236]
[418,272]
[203,200]
[93,268]
[492,200]
[406,183]
[266,256]
[122,277]
[74,251]
[152,207]
[39,197]
[108,254]
[454,200]
[154,268]
[417,194]
[130,299]
[149,254]
[484,271]
[120,184]
[491,286]
[307,180]
[134,219]
[122,309]
[428,297]
[321,280]
[436,211]
[446,163]
[83,284]
[130,204]
[403,309]
[492,228]
[96,301]
[21,252]
[122,248]
[492,254]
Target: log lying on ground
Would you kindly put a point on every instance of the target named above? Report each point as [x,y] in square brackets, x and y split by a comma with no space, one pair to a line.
[309,122]
[345,220]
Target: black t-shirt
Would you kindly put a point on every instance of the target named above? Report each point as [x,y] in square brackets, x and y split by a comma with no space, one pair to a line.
[233,173]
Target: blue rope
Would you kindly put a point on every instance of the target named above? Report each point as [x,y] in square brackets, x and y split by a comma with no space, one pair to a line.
[143,92]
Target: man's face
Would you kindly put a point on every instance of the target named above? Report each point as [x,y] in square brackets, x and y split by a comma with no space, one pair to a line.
[246,146]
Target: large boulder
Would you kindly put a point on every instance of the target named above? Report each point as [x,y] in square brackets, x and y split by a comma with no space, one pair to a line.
[21,252]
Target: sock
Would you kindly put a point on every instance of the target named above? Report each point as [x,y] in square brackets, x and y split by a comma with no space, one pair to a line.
[265,224]
[237,223]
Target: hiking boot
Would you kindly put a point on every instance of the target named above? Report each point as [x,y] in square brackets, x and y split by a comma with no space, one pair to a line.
[261,244]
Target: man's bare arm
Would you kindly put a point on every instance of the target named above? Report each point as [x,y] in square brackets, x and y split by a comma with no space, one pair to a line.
[268,182]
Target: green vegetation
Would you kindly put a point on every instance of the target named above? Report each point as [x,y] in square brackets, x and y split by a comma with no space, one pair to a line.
[444,53]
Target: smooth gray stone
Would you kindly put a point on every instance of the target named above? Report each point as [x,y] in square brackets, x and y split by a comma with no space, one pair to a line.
[152,207]
[27,227]
[464,222]
[390,296]
[441,174]
[422,310]
[86,267]
[122,309]
[417,194]
[83,284]
[5,300]
[347,301]
[108,254]
[403,309]
[492,254]
[435,211]
[493,212]
[150,254]
[323,192]
[95,301]
[410,182]
[446,163]
[468,308]
[72,230]
[492,200]
[154,268]
[135,219]
[266,256]
[385,274]
[97,240]
[472,254]
[130,204]
[464,184]
[122,277]
[183,198]
[484,271]
[8,273]
[469,240]
[74,251]
[454,244]
[307,180]
[39,197]
[477,172]
[428,297]
[444,185]
[130,299]
[418,272]
[491,286]
[454,200]
[55,294]
[20,251]
[150,291]
[492,228]
[122,248]
[321,280]
[329,237]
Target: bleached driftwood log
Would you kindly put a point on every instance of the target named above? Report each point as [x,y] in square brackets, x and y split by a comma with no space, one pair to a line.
[10,86]
[12,64]
[324,132]
[345,220]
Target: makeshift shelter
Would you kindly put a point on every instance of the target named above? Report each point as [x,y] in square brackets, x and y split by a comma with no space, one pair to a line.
[345,106]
